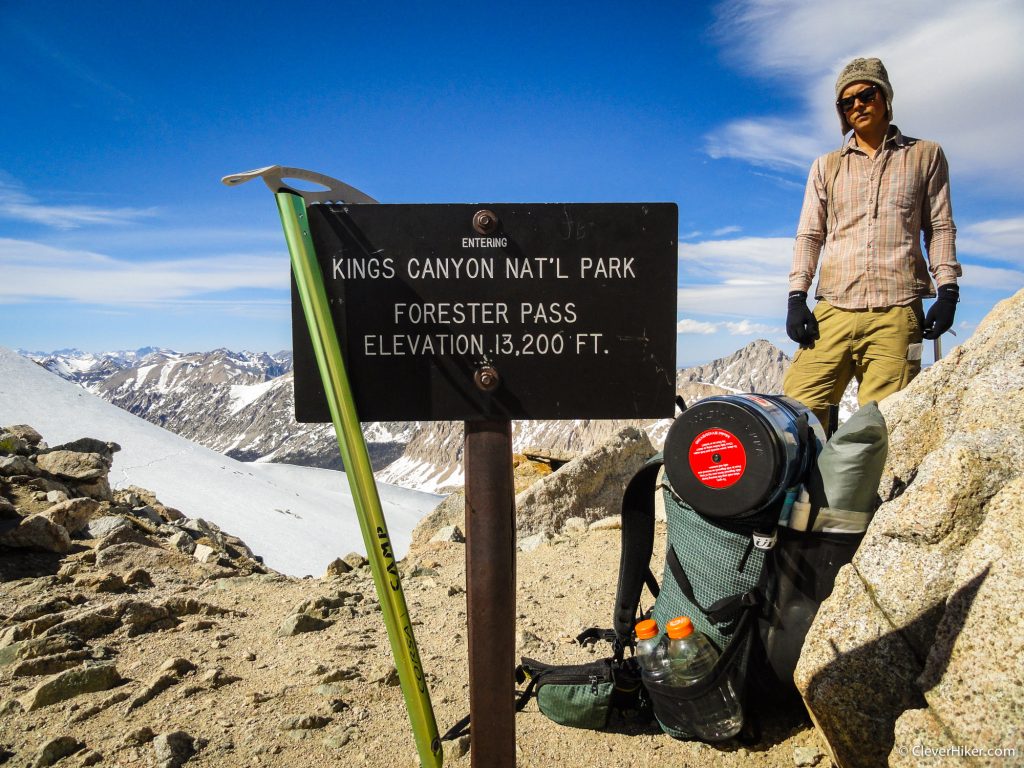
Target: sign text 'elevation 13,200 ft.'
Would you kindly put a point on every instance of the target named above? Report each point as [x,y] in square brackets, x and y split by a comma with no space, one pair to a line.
[497,311]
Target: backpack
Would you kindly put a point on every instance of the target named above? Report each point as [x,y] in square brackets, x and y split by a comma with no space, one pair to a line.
[733,466]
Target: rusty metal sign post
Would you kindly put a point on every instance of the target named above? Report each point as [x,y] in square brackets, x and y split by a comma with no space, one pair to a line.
[491,592]
[485,314]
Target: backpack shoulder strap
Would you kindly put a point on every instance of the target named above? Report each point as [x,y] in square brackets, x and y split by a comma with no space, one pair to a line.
[832,160]
[637,547]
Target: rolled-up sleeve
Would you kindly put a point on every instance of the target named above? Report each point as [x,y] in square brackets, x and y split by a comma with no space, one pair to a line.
[810,232]
[937,223]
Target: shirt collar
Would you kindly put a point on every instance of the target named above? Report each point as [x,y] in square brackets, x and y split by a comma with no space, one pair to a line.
[894,138]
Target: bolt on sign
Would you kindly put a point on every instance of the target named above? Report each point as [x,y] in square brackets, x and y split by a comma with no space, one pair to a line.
[497,311]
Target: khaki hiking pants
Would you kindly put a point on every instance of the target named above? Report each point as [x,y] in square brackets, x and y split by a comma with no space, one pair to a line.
[881,348]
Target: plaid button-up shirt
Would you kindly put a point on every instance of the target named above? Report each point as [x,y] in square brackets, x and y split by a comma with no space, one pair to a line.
[867,228]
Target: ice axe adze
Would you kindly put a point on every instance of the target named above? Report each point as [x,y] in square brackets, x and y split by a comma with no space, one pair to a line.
[291,204]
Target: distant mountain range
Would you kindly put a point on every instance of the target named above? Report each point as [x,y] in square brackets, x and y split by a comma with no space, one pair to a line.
[242,404]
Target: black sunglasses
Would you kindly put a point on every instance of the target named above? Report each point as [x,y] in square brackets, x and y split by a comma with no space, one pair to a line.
[865,97]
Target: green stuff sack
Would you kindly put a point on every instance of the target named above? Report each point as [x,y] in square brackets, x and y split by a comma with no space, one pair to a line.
[850,465]
[580,695]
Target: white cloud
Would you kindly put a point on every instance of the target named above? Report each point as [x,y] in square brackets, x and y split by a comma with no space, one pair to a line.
[696,326]
[741,328]
[15,204]
[154,238]
[1000,239]
[721,231]
[779,180]
[769,142]
[36,271]
[743,277]
[952,65]
[733,301]
[979,276]
[741,257]
[747,328]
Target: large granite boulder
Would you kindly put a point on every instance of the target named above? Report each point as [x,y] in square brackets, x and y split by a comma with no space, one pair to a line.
[589,487]
[73,465]
[919,646]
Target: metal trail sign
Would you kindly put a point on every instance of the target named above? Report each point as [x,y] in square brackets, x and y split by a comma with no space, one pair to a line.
[567,311]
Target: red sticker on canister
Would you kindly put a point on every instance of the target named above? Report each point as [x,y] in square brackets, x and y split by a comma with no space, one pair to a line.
[717,458]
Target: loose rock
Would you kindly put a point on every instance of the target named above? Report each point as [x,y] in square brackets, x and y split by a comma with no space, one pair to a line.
[39,532]
[337,567]
[173,749]
[298,623]
[178,666]
[90,757]
[138,577]
[56,749]
[182,542]
[72,514]
[304,723]
[449,534]
[102,526]
[139,736]
[102,582]
[218,678]
[148,513]
[73,465]
[355,560]
[153,688]
[205,554]
[74,682]
[531,543]
[17,465]
[125,535]
[804,757]
[26,433]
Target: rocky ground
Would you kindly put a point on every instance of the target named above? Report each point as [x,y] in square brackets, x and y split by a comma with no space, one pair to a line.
[138,651]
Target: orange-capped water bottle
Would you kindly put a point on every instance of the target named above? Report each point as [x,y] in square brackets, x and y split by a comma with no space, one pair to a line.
[716,714]
[650,652]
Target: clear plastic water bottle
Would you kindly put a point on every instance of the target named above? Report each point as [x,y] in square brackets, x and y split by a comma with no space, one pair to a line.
[650,652]
[717,714]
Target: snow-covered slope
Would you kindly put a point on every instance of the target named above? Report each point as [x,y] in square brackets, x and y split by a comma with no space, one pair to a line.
[297,518]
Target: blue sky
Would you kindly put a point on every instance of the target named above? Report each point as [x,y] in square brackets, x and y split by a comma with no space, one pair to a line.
[120,118]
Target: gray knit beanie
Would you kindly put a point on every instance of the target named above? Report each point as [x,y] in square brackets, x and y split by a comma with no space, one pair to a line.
[868,70]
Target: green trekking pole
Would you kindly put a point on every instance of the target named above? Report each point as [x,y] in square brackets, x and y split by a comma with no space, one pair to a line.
[316,308]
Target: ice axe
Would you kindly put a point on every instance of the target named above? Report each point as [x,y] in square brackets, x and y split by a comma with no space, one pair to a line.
[291,204]
[937,345]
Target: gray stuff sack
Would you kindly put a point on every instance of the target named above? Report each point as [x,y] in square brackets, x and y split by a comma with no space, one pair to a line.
[823,531]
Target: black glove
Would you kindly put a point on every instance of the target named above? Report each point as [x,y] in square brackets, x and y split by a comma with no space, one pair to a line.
[801,325]
[940,317]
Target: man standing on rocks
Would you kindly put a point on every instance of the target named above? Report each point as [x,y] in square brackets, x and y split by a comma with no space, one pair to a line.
[865,208]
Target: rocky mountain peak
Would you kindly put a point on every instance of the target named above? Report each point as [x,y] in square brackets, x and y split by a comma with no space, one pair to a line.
[757,367]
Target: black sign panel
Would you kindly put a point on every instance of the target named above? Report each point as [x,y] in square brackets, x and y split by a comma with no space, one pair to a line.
[560,311]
